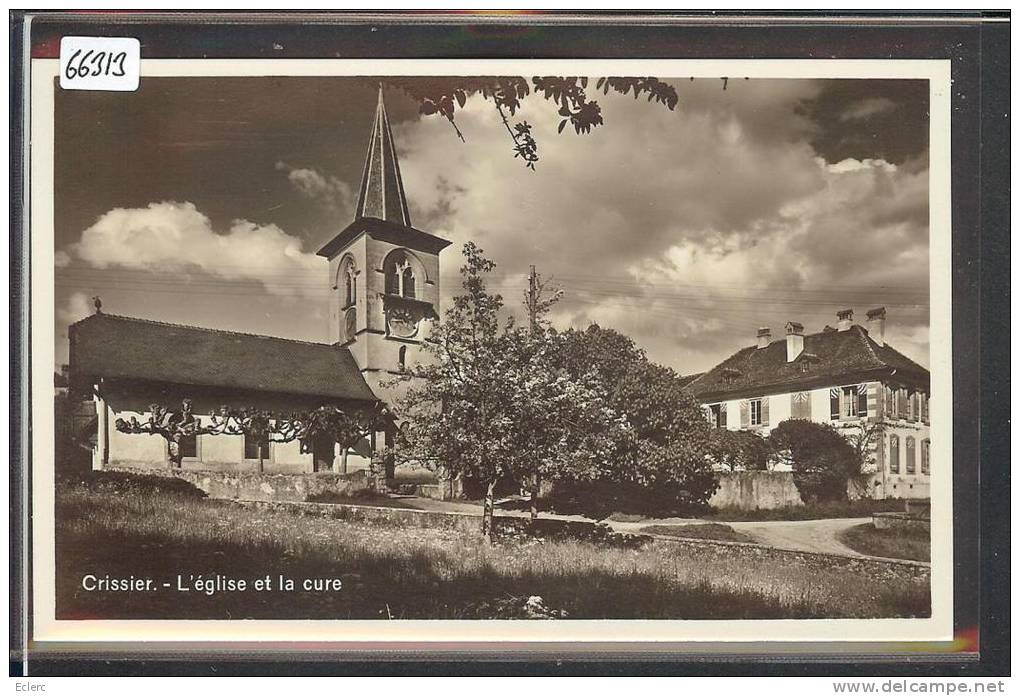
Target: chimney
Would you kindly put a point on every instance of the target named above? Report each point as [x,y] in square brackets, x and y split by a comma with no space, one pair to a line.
[846,319]
[764,337]
[794,340]
[876,325]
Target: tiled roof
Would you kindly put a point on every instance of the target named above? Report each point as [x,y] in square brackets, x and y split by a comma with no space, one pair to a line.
[114,347]
[829,357]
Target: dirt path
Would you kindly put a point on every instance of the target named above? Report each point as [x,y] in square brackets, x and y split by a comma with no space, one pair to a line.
[819,536]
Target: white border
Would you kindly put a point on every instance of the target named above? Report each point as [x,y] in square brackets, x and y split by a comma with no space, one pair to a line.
[936,628]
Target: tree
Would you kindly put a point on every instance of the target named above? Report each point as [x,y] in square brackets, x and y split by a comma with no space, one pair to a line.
[261,425]
[822,460]
[172,426]
[665,449]
[457,406]
[738,450]
[442,96]
[489,403]
[566,428]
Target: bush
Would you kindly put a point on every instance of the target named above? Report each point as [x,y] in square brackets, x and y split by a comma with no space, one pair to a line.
[823,461]
[600,499]
[738,450]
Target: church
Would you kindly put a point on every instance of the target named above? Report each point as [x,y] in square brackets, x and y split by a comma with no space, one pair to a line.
[383,276]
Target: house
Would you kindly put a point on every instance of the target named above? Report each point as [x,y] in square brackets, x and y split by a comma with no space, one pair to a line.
[383,277]
[846,376]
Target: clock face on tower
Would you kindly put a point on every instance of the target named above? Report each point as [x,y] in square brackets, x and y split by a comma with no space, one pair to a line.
[402,322]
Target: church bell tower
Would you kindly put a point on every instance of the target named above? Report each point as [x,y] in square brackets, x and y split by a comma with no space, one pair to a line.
[384,273]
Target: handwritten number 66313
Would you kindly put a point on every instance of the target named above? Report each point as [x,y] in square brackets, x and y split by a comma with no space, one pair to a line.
[95,63]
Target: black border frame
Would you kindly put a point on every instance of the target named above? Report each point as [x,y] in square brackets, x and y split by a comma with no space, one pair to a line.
[977,43]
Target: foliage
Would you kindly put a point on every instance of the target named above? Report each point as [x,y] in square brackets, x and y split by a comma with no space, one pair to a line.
[822,460]
[261,425]
[665,448]
[172,426]
[738,450]
[488,402]
[444,95]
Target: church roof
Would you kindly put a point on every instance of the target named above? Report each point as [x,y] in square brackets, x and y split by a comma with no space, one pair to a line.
[829,358]
[382,205]
[115,347]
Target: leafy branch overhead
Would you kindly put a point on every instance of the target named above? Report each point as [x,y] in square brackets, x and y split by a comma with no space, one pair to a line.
[443,96]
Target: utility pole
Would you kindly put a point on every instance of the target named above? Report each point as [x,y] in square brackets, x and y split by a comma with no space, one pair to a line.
[533,326]
[533,300]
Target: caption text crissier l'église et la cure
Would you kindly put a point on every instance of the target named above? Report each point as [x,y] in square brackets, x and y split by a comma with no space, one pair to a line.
[209,584]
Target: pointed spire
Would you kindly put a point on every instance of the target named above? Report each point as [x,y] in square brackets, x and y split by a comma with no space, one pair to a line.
[382,191]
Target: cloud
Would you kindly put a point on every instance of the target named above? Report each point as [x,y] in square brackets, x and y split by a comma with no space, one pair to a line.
[866,108]
[685,229]
[77,308]
[171,237]
[332,194]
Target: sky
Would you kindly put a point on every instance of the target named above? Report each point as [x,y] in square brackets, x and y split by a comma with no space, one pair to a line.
[202,201]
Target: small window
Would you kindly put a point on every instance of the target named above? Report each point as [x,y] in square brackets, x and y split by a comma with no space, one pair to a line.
[756,416]
[894,454]
[402,358]
[252,447]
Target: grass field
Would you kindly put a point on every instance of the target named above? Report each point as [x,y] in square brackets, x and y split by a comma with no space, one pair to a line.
[887,543]
[710,530]
[394,572]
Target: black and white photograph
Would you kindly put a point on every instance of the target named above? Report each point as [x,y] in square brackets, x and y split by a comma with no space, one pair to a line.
[500,347]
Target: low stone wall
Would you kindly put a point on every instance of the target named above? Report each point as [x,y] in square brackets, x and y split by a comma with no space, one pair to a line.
[427,519]
[269,487]
[885,569]
[756,490]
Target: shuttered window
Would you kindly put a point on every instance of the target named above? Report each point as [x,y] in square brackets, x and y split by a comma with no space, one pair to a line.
[889,396]
[924,407]
[911,461]
[756,412]
[745,414]
[894,454]
[834,403]
[800,405]
[925,457]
